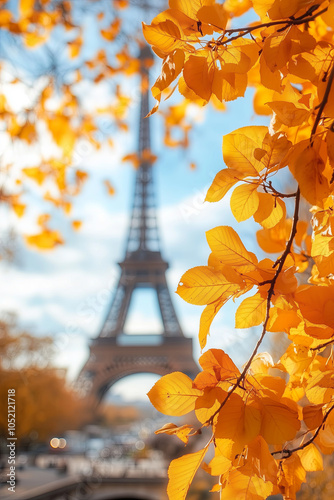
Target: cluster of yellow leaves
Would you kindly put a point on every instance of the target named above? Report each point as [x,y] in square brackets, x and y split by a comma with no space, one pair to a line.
[268,427]
[56,115]
[258,415]
[46,238]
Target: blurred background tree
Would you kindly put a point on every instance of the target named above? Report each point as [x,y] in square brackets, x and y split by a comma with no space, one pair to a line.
[57,58]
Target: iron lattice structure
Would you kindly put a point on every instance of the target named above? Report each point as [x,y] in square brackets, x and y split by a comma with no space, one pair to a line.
[114,354]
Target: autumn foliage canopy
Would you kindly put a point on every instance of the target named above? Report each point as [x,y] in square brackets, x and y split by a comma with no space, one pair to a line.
[270,421]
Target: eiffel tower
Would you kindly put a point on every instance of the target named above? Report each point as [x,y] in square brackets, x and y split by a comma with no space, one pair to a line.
[115,354]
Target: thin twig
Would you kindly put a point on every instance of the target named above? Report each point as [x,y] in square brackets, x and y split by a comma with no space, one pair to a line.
[325,344]
[323,103]
[288,22]
[271,292]
[302,446]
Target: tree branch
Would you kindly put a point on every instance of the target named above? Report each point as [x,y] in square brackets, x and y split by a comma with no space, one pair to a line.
[302,446]
[288,22]
[280,262]
[323,103]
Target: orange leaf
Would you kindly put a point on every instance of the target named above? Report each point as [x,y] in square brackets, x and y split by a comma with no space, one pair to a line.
[317,303]
[238,424]
[181,473]
[245,486]
[76,224]
[251,312]
[110,187]
[244,201]
[227,246]
[307,169]
[26,7]
[172,429]
[19,209]
[166,36]
[219,364]
[218,465]
[202,285]
[223,181]
[207,317]
[279,422]
[174,395]
[270,211]
[213,14]
[313,416]
[311,458]
[198,75]
[46,240]
[239,147]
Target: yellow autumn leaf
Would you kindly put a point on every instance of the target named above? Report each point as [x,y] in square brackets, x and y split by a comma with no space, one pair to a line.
[207,317]
[33,39]
[76,224]
[171,67]
[227,246]
[308,169]
[244,201]
[319,389]
[181,473]
[279,422]
[237,7]
[46,240]
[328,16]
[174,394]
[325,264]
[215,15]
[221,184]
[110,188]
[239,147]
[181,432]
[245,486]
[219,364]
[228,86]
[288,113]
[273,240]
[251,312]
[198,74]
[313,416]
[218,465]
[19,209]
[237,425]
[62,133]
[311,458]
[209,403]
[282,9]
[293,475]
[202,285]
[166,36]
[266,466]
[270,210]
[26,7]
[316,303]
